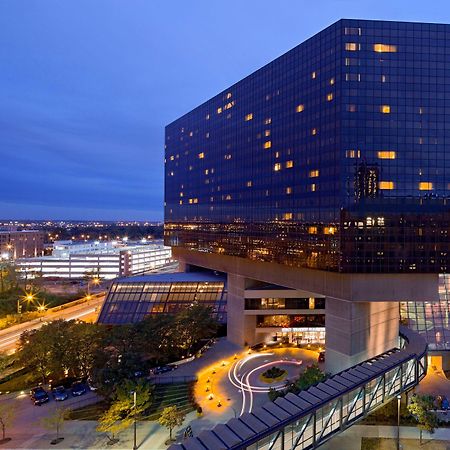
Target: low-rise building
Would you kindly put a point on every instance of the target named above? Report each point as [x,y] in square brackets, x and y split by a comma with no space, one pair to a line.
[107,260]
[21,244]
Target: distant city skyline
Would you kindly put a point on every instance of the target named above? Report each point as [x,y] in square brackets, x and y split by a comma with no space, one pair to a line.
[86,89]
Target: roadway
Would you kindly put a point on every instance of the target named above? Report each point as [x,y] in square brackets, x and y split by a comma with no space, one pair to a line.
[10,336]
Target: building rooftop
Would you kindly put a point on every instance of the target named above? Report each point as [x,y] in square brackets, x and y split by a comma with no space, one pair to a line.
[176,277]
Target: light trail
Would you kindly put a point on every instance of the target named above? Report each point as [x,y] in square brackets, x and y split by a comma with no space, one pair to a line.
[242,382]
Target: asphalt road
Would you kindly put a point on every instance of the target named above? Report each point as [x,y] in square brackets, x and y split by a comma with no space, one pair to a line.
[10,336]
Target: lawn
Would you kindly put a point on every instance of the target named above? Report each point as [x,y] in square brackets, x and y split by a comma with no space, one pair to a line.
[406,444]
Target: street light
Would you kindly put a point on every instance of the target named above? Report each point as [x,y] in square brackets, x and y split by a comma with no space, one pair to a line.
[399,397]
[29,297]
[134,407]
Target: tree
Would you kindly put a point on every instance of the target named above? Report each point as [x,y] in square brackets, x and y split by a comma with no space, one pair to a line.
[34,352]
[170,418]
[421,407]
[84,342]
[193,324]
[55,421]
[7,416]
[122,412]
[311,375]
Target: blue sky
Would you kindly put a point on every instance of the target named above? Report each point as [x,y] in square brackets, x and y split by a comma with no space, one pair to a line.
[87,86]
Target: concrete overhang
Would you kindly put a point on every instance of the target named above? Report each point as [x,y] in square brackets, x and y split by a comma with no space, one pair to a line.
[357,287]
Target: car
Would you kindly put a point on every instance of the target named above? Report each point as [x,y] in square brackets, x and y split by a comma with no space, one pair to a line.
[91,385]
[78,388]
[60,394]
[39,396]
[321,357]
[162,369]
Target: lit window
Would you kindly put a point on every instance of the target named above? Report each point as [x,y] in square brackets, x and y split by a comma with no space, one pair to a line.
[329,230]
[228,197]
[277,167]
[300,108]
[277,154]
[289,164]
[329,97]
[191,133]
[201,155]
[206,171]
[287,216]
[181,202]
[352,46]
[313,187]
[386,154]
[383,78]
[249,117]
[181,194]
[313,75]
[249,184]
[267,121]
[425,186]
[351,108]
[314,131]
[267,144]
[207,135]
[313,173]
[172,157]
[385,109]
[332,81]
[312,230]
[352,77]
[228,95]
[219,110]
[384,48]
[228,156]
[207,116]
[267,133]
[288,190]
[386,185]
[352,31]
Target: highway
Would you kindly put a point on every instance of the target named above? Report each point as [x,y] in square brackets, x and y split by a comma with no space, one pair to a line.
[9,336]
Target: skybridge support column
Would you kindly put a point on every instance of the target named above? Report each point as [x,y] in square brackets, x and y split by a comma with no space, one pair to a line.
[356,331]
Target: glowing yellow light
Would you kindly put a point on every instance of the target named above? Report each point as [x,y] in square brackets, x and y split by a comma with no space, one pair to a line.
[386,154]
[425,186]
[386,185]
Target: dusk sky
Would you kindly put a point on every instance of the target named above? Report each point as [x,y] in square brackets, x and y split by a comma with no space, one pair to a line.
[87,86]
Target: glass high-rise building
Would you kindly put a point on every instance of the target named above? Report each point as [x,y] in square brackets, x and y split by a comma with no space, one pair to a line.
[326,172]
[333,156]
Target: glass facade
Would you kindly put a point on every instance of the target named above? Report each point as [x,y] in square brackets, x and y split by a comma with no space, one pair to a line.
[431,319]
[131,301]
[333,156]
[284,303]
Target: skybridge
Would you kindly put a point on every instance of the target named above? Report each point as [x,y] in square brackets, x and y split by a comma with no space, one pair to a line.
[308,419]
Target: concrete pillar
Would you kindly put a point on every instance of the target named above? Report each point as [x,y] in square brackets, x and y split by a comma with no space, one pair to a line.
[240,328]
[183,266]
[356,331]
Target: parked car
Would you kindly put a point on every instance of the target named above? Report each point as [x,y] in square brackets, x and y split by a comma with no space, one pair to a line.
[39,396]
[321,357]
[91,385]
[78,388]
[162,369]
[60,394]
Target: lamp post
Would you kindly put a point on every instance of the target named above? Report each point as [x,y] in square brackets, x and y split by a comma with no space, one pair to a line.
[134,407]
[399,397]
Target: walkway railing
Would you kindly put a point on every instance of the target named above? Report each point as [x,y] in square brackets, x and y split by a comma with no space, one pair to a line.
[308,419]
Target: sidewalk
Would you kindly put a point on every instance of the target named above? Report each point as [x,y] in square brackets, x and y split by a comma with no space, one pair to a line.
[351,438]
[82,434]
